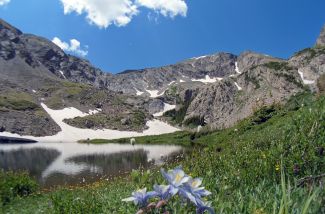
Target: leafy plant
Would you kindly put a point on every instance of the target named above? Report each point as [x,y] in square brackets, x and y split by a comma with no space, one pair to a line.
[15,184]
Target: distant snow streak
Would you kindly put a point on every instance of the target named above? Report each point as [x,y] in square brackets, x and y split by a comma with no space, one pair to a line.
[305,81]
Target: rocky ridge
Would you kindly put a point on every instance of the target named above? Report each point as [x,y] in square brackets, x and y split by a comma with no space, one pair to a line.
[217,90]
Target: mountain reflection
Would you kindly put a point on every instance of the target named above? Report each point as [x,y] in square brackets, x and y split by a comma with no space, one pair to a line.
[35,160]
[99,166]
[56,164]
[113,163]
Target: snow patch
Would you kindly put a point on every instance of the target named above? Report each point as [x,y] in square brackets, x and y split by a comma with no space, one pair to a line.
[238,87]
[237,69]
[33,91]
[167,107]
[181,80]
[171,83]
[200,57]
[138,93]
[305,81]
[207,79]
[69,133]
[92,112]
[61,72]
[155,93]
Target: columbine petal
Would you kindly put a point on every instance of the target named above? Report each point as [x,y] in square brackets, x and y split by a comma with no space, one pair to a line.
[184,180]
[187,195]
[195,183]
[204,206]
[128,199]
[142,191]
[173,191]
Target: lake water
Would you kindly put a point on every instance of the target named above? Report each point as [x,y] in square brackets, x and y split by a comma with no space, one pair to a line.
[56,164]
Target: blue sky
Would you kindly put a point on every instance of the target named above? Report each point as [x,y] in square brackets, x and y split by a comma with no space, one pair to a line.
[154,34]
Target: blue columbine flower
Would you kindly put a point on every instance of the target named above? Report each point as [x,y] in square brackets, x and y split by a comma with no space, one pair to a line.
[194,187]
[175,177]
[141,197]
[164,192]
[203,206]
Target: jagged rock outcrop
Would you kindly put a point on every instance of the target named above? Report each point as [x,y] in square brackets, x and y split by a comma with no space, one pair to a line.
[40,53]
[218,65]
[310,62]
[321,39]
[249,59]
[225,103]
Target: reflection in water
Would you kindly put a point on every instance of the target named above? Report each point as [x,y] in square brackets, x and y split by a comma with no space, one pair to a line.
[72,163]
[35,161]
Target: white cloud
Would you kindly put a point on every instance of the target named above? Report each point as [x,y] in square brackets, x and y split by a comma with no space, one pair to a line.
[170,8]
[120,12]
[102,12]
[3,2]
[73,47]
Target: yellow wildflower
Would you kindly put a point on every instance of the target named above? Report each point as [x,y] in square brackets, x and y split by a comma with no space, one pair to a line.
[277,167]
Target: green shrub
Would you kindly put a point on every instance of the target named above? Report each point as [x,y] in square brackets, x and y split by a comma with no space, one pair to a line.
[15,184]
[194,121]
[178,115]
[278,66]
[252,79]
[263,114]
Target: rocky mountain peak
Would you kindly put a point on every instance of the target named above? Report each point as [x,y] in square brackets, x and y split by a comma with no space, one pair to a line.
[321,38]
[249,59]
[4,26]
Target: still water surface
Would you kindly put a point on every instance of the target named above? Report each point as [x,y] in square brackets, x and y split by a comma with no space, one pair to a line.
[54,164]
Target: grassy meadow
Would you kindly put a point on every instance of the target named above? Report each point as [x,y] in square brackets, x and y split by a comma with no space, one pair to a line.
[272,162]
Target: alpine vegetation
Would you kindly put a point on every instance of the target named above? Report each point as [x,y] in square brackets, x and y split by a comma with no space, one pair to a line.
[188,190]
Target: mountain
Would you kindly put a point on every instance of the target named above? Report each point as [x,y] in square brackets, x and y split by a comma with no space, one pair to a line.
[216,90]
[33,70]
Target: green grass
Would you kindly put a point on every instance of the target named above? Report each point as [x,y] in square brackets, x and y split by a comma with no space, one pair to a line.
[19,101]
[179,138]
[13,184]
[66,90]
[239,165]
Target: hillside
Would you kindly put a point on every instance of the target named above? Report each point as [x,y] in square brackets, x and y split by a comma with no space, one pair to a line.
[241,166]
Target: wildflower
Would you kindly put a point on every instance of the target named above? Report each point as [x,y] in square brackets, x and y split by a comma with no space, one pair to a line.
[164,192]
[192,190]
[263,156]
[203,206]
[175,177]
[140,197]
[277,167]
[185,194]
[259,211]
[194,187]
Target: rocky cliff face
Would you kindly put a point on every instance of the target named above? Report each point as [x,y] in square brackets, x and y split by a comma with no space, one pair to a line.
[225,103]
[215,66]
[321,38]
[310,62]
[217,90]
